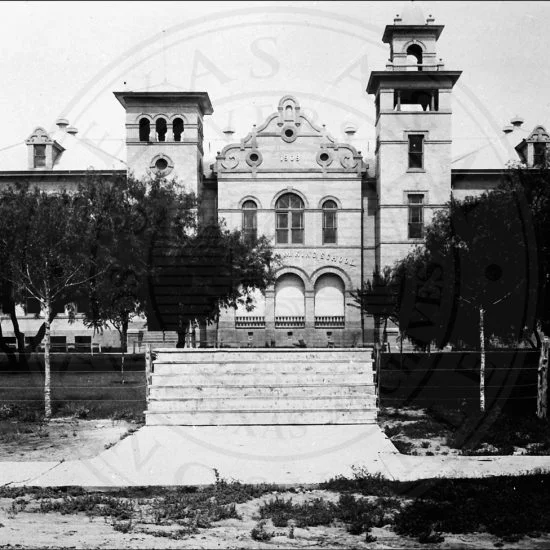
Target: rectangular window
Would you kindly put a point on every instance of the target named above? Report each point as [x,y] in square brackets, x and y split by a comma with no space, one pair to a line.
[282,228]
[39,156]
[416,216]
[539,157]
[297,227]
[249,223]
[329,227]
[416,151]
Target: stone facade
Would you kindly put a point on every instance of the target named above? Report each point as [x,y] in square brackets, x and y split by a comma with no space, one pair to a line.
[333,215]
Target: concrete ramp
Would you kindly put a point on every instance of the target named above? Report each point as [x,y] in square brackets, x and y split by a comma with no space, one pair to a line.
[275,386]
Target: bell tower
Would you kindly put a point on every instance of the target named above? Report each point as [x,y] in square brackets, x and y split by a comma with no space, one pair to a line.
[413,133]
[164,134]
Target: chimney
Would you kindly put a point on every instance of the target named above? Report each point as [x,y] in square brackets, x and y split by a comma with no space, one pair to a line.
[62,123]
[516,121]
[72,130]
[508,129]
[350,129]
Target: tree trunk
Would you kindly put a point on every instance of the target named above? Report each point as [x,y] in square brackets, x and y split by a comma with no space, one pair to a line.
[542,386]
[12,360]
[47,371]
[19,336]
[482,361]
[123,348]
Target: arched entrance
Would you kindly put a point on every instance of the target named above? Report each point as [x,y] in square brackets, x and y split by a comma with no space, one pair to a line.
[289,301]
[329,302]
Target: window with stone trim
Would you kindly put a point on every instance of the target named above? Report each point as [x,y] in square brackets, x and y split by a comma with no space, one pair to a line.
[144,129]
[416,151]
[539,154]
[289,219]
[330,222]
[416,215]
[250,221]
[177,128]
[39,156]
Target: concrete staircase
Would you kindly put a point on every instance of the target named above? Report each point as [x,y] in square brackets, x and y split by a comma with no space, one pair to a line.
[255,386]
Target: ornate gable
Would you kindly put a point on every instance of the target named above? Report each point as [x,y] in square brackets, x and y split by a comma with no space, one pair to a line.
[39,137]
[289,142]
[539,133]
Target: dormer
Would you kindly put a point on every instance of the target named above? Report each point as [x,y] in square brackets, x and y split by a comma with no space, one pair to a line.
[533,150]
[43,151]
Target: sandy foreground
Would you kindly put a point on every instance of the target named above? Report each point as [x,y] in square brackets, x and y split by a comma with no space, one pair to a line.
[53,530]
[60,439]
[70,439]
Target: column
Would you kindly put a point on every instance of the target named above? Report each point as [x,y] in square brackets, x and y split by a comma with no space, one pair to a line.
[270,315]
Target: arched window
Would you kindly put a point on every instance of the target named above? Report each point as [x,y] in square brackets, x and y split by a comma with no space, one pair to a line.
[329,302]
[414,56]
[144,129]
[250,223]
[329,222]
[177,128]
[254,317]
[161,129]
[289,219]
[289,301]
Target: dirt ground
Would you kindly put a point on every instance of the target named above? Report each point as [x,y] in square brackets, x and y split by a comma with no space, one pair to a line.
[59,439]
[52,530]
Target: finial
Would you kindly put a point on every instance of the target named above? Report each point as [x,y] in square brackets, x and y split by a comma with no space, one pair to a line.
[516,121]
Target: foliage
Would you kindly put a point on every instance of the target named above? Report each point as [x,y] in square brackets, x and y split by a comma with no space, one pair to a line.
[531,189]
[475,255]
[378,297]
[215,268]
[259,532]
[362,482]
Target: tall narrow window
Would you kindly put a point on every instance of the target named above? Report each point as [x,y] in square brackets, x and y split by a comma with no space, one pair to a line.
[161,129]
[177,128]
[416,151]
[39,156]
[289,219]
[416,216]
[144,129]
[539,156]
[250,223]
[329,222]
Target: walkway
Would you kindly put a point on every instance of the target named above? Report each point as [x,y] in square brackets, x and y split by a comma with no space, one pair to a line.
[178,455]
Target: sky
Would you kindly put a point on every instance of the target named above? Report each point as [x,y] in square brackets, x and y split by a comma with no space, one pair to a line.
[66,59]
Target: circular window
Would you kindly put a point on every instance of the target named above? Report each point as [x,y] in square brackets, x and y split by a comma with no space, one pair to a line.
[161,164]
[254,158]
[288,133]
[324,158]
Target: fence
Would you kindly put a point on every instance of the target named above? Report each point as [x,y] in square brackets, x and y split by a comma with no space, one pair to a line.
[452,378]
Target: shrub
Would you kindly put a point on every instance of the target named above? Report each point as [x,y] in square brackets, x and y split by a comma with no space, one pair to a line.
[362,482]
[259,533]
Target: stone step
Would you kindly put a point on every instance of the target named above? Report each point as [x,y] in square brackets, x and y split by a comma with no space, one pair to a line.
[273,404]
[266,355]
[254,367]
[259,418]
[248,379]
[260,390]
